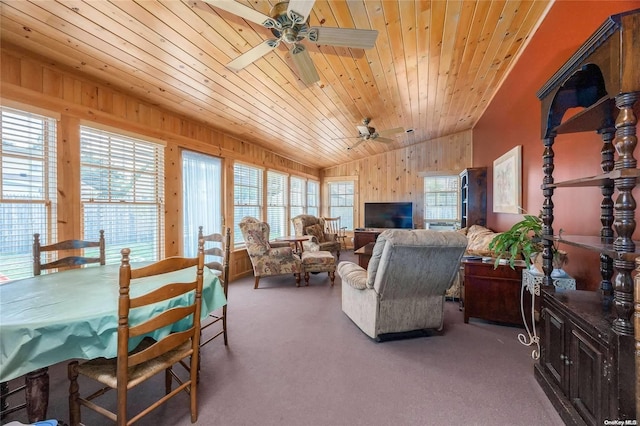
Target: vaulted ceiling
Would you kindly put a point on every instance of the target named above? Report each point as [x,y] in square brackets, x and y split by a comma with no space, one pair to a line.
[434,67]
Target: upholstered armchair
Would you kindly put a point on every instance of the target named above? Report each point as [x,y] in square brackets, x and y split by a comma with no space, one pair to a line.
[267,260]
[306,224]
[403,288]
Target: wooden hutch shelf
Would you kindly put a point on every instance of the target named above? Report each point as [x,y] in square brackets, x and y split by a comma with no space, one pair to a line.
[588,366]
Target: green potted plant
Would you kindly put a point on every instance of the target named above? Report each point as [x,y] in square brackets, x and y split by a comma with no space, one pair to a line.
[522,241]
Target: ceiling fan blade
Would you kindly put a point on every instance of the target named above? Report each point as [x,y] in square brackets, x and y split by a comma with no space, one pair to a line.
[344,37]
[383,140]
[304,64]
[298,10]
[244,12]
[355,144]
[253,54]
[390,132]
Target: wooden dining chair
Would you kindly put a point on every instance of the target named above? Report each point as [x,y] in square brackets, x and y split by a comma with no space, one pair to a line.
[332,226]
[150,357]
[219,253]
[64,246]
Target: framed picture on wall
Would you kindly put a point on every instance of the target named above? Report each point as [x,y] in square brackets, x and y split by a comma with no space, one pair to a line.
[507,182]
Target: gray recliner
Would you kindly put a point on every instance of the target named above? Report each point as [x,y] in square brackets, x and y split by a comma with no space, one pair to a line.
[404,286]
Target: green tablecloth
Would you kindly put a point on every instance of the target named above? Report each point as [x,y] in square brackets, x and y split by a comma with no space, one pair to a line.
[74,314]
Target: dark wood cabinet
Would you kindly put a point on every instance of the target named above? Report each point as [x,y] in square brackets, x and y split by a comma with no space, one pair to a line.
[576,360]
[492,294]
[363,237]
[473,197]
[588,365]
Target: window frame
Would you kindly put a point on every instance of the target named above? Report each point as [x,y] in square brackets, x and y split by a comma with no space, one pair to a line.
[141,164]
[456,196]
[349,223]
[23,123]
[258,188]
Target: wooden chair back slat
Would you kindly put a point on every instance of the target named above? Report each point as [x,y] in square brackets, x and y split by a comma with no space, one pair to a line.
[161,347]
[164,319]
[164,293]
[72,260]
[164,266]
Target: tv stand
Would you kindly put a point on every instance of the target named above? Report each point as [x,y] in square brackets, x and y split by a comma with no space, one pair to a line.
[363,236]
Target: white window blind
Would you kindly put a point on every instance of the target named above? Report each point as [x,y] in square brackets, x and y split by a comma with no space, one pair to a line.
[441,195]
[297,199]
[202,198]
[28,189]
[247,197]
[313,198]
[277,204]
[341,201]
[122,192]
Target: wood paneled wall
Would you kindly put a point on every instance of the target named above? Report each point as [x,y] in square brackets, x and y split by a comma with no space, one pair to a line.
[31,81]
[398,175]
[37,84]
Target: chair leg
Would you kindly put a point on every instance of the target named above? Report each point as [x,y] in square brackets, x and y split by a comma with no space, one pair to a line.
[332,276]
[224,324]
[306,278]
[338,254]
[257,281]
[74,394]
[168,379]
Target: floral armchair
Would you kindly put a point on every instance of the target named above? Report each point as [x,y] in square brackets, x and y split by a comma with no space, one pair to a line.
[305,224]
[267,260]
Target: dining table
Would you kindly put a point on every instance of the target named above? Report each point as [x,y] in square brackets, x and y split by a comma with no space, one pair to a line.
[73,314]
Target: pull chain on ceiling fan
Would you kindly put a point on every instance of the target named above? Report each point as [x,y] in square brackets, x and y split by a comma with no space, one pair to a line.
[289,23]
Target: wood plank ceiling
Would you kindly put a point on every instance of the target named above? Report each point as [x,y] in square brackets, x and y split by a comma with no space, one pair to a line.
[434,68]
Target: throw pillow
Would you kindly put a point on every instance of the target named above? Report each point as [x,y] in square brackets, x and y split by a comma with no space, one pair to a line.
[316,231]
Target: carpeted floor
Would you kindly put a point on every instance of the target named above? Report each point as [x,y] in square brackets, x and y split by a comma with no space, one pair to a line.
[294,359]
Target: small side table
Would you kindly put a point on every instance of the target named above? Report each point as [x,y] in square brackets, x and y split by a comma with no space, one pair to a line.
[531,282]
[296,240]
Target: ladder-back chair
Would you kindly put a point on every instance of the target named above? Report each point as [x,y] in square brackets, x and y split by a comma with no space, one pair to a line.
[63,246]
[150,357]
[333,226]
[219,251]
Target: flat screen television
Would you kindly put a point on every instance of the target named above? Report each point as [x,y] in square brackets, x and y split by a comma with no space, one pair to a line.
[388,215]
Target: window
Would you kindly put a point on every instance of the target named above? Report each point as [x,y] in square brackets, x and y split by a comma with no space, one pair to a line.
[441,195]
[247,197]
[277,204]
[27,189]
[313,198]
[122,192]
[202,198]
[297,198]
[341,201]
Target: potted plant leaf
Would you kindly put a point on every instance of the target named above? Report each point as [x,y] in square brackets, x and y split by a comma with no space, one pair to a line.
[523,241]
[520,242]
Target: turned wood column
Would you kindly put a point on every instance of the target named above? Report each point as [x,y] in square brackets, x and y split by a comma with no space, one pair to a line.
[607,163]
[625,206]
[547,209]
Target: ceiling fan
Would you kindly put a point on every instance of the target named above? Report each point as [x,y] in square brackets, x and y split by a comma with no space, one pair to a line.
[289,23]
[367,133]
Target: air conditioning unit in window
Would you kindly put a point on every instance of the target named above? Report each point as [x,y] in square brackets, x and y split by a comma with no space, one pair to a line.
[440,226]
